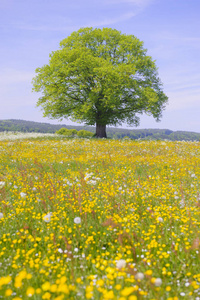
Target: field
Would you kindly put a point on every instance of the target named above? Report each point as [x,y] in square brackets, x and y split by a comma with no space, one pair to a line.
[99,219]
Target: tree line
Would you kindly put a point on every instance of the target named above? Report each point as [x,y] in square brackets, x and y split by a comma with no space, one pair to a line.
[112,132]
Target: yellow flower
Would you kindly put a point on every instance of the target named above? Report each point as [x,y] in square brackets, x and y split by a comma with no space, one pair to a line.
[127,291]
[46,286]
[63,288]
[38,291]
[61,297]
[5,280]
[89,295]
[8,292]
[118,287]
[149,272]
[30,291]
[53,288]
[109,295]
[47,296]
[133,297]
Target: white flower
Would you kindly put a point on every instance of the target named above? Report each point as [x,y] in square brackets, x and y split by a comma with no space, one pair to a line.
[75,249]
[120,263]
[92,182]
[139,276]
[160,219]
[60,250]
[23,195]
[1,215]
[2,183]
[47,218]
[88,175]
[158,281]
[77,220]
[187,284]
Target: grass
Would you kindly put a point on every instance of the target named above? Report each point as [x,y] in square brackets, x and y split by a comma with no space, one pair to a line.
[99,219]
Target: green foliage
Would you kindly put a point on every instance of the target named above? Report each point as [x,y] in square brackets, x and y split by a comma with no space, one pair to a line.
[67,132]
[102,77]
[84,133]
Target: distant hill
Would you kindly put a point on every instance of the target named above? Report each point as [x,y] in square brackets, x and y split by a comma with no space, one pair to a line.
[153,134]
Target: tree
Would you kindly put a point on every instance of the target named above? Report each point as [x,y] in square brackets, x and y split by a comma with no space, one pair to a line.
[102,77]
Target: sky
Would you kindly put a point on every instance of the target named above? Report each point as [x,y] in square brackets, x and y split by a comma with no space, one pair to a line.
[170,29]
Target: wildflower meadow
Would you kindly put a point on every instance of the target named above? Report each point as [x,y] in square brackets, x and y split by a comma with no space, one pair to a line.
[99,219]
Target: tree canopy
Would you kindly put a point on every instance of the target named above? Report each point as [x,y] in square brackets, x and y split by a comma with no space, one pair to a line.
[100,77]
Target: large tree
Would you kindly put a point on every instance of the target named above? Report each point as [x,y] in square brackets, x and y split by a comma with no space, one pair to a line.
[102,77]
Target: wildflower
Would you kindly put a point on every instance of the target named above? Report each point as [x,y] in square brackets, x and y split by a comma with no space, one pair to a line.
[23,195]
[139,276]
[120,263]
[8,292]
[47,218]
[109,295]
[1,215]
[92,182]
[157,281]
[46,286]
[30,291]
[127,291]
[5,280]
[132,297]
[2,183]
[160,219]
[77,220]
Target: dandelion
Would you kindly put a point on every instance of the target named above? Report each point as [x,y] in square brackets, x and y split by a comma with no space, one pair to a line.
[47,218]
[157,281]
[77,220]
[139,276]
[30,291]
[127,291]
[8,292]
[160,219]
[120,263]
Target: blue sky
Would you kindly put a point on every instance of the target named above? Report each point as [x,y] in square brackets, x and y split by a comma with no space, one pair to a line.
[170,29]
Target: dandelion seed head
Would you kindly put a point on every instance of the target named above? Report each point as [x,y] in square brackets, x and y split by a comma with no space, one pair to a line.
[120,263]
[77,220]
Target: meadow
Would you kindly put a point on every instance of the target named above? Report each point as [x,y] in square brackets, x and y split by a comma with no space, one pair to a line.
[99,219]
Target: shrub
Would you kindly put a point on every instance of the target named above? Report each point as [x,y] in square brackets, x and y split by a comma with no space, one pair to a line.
[67,132]
[84,133]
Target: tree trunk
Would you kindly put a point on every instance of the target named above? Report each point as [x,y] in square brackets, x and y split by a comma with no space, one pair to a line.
[101,131]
